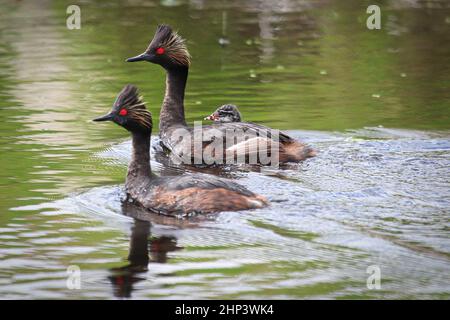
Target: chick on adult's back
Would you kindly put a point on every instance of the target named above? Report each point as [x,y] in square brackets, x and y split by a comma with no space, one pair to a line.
[288,152]
[225,113]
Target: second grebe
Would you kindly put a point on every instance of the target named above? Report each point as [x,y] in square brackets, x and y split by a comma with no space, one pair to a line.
[169,50]
[185,194]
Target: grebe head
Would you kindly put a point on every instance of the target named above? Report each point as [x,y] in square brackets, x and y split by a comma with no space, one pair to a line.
[167,49]
[129,111]
[225,113]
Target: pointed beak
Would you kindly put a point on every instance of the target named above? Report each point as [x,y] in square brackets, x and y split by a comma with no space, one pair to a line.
[106,117]
[142,57]
[213,117]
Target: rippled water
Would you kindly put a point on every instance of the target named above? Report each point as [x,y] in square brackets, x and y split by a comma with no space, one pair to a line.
[373,196]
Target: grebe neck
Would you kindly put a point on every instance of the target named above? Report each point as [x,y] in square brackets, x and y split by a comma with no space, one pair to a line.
[172,111]
[139,169]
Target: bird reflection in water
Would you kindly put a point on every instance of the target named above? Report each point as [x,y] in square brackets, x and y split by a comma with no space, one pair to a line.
[143,250]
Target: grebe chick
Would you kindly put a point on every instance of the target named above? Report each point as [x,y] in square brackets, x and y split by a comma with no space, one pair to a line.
[178,195]
[225,113]
[230,113]
[169,50]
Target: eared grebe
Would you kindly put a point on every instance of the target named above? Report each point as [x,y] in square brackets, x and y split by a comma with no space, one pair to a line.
[168,50]
[197,193]
[225,113]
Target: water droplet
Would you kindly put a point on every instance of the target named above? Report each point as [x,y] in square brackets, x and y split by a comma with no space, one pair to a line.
[393,50]
[256,41]
[224,41]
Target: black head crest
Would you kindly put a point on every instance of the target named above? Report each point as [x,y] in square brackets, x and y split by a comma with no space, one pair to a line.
[171,44]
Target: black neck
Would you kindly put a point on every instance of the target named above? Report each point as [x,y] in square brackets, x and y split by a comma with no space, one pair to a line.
[139,168]
[172,111]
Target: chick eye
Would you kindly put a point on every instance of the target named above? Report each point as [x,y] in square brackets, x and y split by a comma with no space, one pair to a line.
[160,50]
[123,112]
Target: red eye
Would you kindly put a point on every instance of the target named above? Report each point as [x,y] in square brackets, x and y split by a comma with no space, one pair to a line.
[123,112]
[160,50]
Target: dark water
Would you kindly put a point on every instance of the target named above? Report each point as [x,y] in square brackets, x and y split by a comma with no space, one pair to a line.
[376,104]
